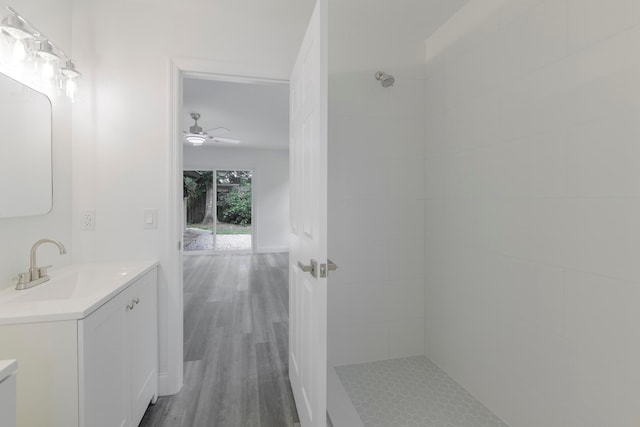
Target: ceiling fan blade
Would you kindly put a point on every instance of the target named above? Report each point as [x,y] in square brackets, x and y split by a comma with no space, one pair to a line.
[219,130]
[227,140]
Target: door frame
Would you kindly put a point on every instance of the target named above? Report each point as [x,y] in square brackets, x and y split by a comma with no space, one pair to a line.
[171,376]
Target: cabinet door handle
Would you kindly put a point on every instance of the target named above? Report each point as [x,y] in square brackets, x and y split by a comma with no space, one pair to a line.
[133,303]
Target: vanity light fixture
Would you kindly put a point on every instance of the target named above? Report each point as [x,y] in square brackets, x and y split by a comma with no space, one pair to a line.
[16,27]
[30,44]
[69,70]
[46,52]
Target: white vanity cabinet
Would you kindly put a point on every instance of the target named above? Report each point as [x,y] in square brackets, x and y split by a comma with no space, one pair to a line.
[118,357]
[90,360]
[8,393]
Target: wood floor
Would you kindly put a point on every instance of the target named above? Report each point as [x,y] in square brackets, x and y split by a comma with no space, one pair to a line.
[235,346]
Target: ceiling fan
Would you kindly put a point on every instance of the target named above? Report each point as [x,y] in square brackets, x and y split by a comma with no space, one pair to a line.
[197,136]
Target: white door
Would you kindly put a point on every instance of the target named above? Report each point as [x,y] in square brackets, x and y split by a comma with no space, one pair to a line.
[308,218]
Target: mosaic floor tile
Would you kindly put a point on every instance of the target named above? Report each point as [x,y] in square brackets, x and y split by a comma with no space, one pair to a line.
[411,392]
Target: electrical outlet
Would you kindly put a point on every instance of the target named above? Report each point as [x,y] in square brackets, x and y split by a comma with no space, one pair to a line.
[88,220]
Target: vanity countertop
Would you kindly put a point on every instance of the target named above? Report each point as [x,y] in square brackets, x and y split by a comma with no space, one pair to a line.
[7,367]
[73,292]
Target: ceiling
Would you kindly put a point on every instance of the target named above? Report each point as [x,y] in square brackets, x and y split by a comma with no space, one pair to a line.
[255,113]
[363,34]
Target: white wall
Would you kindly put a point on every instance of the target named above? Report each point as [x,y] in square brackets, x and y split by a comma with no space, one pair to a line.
[19,234]
[122,146]
[375,218]
[376,177]
[270,187]
[532,212]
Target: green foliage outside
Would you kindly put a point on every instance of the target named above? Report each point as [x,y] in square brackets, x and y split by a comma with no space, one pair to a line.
[191,189]
[197,187]
[236,207]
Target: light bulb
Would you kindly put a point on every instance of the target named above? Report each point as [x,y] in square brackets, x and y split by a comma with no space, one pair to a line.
[18,53]
[71,89]
[47,71]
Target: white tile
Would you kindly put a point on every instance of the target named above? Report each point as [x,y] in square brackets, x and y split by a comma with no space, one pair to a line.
[604,158]
[356,136]
[435,135]
[549,240]
[402,137]
[591,21]
[602,307]
[546,165]
[500,170]
[534,367]
[536,104]
[460,175]
[536,38]
[474,123]
[477,72]
[359,93]
[360,261]
[362,342]
[604,237]
[406,179]
[404,260]
[515,9]
[336,220]
[614,94]
[350,178]
[531,292]
[435,89]
[435,177]
[605,58]
[384,219]
[406,337]
[602,386]
[358,302]
[403,300]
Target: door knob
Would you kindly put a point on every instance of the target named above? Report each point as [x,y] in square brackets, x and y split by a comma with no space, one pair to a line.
[326,268]
[312,268]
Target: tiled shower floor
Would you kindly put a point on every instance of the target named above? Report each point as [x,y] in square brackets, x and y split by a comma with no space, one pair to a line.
[411,392]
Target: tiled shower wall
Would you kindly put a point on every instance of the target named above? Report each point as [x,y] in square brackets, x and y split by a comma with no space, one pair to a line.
[376,216]
[532,213]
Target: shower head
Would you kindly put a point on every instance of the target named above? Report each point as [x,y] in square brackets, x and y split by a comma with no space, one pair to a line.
[386,80]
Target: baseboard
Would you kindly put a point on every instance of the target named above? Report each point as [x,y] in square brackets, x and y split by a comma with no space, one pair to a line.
[340,409]
[272,250]
[166,385]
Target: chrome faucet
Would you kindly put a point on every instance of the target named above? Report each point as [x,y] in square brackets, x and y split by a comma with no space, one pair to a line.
[37,275]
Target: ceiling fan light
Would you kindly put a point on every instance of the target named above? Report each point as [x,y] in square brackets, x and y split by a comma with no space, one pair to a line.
[195,138]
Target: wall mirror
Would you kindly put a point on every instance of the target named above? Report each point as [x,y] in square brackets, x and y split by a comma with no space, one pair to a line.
[26,182]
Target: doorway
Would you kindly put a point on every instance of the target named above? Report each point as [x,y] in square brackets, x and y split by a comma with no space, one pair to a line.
[187,360]
[218,211]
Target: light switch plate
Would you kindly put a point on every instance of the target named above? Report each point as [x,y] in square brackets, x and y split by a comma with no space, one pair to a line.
[150,218]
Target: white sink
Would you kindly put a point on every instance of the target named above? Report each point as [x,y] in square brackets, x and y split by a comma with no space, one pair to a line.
[72,293]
